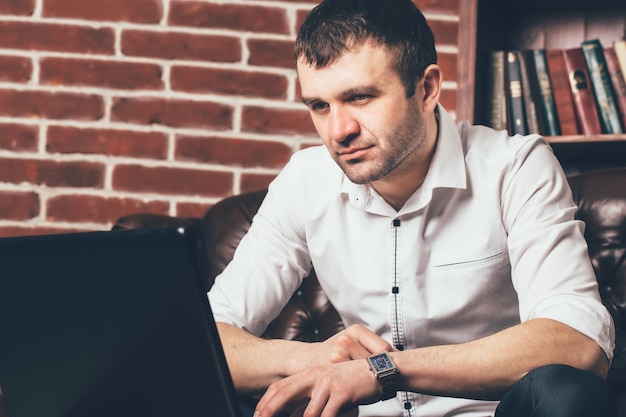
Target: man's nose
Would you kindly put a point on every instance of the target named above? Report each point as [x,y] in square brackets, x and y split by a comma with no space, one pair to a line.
[342,125]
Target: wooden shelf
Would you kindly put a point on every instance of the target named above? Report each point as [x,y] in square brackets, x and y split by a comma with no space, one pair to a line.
[488,25]
[587,139]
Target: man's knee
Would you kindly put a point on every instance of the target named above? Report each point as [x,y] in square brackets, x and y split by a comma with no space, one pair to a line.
[558,390]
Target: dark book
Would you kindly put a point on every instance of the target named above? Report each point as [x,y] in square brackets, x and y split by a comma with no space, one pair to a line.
[547,114]
[530,96]
[584,99]
[602,87]
[496,97]
[514,94]
[618,80]
[562,92]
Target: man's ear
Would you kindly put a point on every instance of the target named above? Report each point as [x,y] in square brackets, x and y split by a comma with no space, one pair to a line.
[432,80]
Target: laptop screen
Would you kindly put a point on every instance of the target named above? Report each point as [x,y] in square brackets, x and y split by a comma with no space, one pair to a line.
[108,324]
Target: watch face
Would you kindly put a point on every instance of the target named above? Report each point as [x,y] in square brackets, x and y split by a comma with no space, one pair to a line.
[381,362]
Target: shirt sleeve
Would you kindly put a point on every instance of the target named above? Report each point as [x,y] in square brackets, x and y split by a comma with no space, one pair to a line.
[550,266]
[268,266]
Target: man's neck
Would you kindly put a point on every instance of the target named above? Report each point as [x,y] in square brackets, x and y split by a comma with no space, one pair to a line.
[397,187]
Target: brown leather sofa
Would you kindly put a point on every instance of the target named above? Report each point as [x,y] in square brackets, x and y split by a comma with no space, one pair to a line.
[601,196]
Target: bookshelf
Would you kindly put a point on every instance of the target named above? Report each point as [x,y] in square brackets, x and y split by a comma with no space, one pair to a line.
[488,25]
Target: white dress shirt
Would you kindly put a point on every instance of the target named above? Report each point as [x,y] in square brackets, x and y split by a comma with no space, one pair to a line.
[487,241]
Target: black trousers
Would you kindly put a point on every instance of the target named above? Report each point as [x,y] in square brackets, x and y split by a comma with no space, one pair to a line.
[549,391]
[558,391]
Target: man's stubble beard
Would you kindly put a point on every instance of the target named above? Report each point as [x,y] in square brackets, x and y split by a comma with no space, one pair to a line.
[407,139]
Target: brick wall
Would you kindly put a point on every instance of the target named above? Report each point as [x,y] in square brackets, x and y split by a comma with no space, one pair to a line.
[119,106]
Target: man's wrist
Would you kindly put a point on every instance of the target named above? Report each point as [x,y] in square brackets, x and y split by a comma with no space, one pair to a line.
[386,373]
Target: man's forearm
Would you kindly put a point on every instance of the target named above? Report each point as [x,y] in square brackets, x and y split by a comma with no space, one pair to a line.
[255,363]
[486,368]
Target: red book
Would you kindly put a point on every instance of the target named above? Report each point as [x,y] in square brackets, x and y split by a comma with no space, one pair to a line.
[618,80]
[562,92]
[582,92]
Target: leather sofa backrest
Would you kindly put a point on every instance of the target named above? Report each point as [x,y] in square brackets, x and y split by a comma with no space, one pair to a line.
[601,199]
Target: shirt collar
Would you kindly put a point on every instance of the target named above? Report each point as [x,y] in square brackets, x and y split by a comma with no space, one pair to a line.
[447,170]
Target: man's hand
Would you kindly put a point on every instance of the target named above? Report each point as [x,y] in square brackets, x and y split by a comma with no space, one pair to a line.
[336,379]
[354,342]
[327,390]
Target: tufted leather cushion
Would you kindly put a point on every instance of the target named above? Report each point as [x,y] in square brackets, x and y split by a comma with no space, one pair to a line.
[601,199]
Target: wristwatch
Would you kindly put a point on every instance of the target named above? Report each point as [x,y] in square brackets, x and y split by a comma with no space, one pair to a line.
[386,373]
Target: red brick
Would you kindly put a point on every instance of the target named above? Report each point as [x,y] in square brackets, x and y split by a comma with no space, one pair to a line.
[448,64]
[17,7]
[10,231]
[136,11]
[255,182]
[244,17]
[15,69]
[233,152]
[96,209]
[301,15]
[52,173]
[176,181]
[227,81]
[175,113]
[112,142]
[448,99]
[273,120]
[98,73]
[43,104]
[56,37]
[446,6]
[271,53]
[18,205]
[16,137]
[445,32]
[174,45]
[191,209]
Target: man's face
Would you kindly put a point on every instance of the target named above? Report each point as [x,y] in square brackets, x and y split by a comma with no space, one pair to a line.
[361,111]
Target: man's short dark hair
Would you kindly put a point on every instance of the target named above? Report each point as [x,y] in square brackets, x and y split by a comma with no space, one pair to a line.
[335,26]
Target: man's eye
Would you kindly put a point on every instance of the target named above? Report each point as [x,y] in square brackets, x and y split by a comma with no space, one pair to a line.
[360,97]
[319,106]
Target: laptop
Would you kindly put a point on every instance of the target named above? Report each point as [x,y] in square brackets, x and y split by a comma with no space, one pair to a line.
[114,323]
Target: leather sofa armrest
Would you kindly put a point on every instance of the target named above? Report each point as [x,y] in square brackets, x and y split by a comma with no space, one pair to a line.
[149,220]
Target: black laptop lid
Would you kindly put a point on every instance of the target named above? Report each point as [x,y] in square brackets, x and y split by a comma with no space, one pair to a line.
[108,324]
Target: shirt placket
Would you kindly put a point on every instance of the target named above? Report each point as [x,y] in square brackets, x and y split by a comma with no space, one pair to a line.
[395,307]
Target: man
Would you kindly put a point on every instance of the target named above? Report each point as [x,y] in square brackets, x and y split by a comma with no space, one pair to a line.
[450,251]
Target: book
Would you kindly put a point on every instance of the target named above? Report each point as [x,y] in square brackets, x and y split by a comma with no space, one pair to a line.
[584,99]
[620,52]
[602,87]
[514,94]
[561,92]
[618,80]
[496,98]
[549,121]
[530,96]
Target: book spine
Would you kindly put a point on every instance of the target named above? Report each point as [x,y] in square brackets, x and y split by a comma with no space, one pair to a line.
[584,100]
[620,52]
[530,103]
[602,87]
[515,94]
[496,97]
[547,106]
[617,80]
[562,92]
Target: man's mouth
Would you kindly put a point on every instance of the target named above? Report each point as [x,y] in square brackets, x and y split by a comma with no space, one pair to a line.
[353,153]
